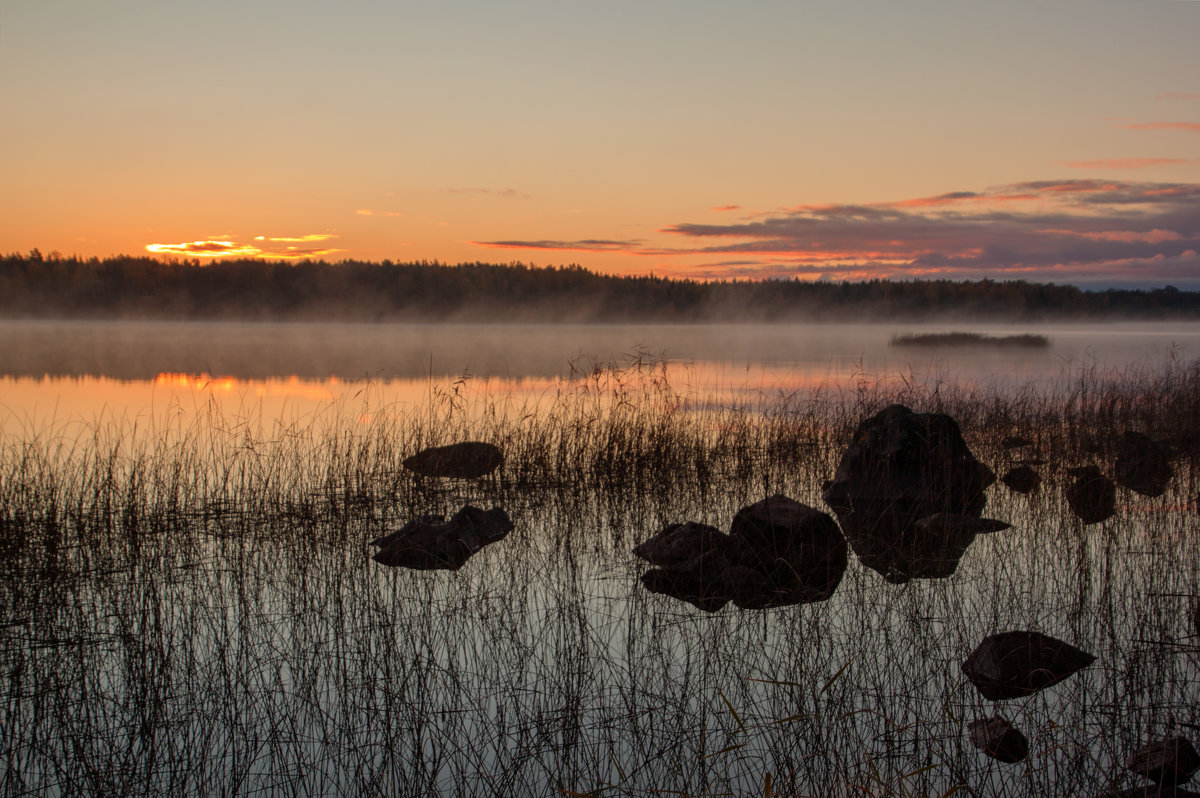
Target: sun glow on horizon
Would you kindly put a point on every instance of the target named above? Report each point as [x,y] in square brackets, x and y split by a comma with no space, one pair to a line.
[269,249]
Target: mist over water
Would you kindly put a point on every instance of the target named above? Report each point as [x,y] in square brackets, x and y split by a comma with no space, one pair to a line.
[282,371]
[144,350]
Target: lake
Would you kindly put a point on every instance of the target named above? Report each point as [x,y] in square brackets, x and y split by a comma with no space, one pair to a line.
[190,605]
[64,370]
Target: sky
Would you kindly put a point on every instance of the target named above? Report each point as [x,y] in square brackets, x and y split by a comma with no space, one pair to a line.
[1047,141]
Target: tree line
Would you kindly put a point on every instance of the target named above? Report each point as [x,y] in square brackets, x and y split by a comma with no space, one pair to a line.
[124,286]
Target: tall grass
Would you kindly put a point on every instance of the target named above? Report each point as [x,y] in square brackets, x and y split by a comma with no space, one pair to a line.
[191,609]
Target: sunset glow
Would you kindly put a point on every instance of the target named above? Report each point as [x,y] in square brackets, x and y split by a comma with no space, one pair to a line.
[624,138]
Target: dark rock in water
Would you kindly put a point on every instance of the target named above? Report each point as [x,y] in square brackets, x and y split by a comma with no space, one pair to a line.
[1016,442]
[1030,461]
[778,552]
[678,543]
[1017,664]
[798,549]
[1143,465]
[901,467]
[999,739]
[1022,479]
[465,460]
[430,542]
[1169,762]
[1093,496]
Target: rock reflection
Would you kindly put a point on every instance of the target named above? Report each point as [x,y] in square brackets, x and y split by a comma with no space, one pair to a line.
[431,542]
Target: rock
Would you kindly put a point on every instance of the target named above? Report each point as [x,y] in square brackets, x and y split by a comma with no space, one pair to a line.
[778,552]
[1168,762]
[1017,664]
[1143,465]
[999,739]
[798,549]
[1022,479]
[1093,496]
[465,460]
[430,542]
[901,467]
[678,543]
[1016,442]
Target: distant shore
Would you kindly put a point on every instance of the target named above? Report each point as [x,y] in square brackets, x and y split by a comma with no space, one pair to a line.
[136,287]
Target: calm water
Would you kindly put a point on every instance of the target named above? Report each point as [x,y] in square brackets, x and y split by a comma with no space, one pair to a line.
[63,371]
[199,614]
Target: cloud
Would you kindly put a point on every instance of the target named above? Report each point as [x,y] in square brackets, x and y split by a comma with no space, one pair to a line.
[1063,229]
[1178,95]
[585,245]
[726,208]
[205,249]
[1124,163]
[369,212]
[299,239]
[1190,127]
[268,249]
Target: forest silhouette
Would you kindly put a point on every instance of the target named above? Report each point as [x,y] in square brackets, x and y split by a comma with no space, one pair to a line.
[137,287]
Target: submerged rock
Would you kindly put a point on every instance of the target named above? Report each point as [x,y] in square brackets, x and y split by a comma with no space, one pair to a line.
[999,739]
[1093,496]
[430,542]
[1017,664]
[778,552]
[465,460]
[1143,465]
[1168,762]
[899,468]
[1022,479]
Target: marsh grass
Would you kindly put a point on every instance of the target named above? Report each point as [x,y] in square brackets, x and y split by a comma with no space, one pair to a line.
[190,608]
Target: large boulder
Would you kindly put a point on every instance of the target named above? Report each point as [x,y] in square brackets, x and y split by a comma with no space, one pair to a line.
[1143,464]
[465,460]
[778,552]
[1017,664]
[799,550]
[1092,496]
[430,542]
[899,468]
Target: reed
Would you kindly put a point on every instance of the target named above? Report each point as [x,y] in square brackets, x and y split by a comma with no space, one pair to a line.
[191,609]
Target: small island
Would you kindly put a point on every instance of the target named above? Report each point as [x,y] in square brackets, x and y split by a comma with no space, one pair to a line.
[1027,340]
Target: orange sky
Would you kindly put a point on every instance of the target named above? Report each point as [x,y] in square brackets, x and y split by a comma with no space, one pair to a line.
[702,140]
